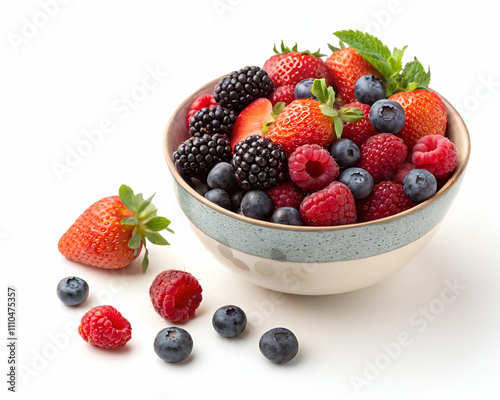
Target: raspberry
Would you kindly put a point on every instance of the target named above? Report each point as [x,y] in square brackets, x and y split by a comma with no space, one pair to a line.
[382,154]
[402,171]
[105,327]
[333,205]
[283,94]
[435,153]
[312,167]
[388,198]
[359,131]
[205,100]
[287,194]
[175,295]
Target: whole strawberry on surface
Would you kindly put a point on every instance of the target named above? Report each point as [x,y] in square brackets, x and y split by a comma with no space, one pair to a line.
[110,233]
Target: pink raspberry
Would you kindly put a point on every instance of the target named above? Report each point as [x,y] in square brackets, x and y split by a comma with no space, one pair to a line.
[312,167]
[287,194]
[435,153]
[388,198]
[175,295]
[382,154]
[402,171]
[333,205]
[360,131]
[105,327]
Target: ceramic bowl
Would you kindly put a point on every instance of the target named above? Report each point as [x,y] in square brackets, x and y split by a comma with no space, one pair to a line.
[312,260]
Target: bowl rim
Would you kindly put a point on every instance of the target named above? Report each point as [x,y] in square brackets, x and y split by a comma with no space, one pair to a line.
[462,161]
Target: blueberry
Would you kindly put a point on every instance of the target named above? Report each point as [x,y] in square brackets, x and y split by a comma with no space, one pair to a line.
[173,344]
[200,186]
[229,321]
[368,89]
[303,89]
[72,290]
[219,197]
[279,345]
[346,152]
[236,198]
[387,116]
[287,216]
[257,204]
[358,180]
[419,185]
[221,176]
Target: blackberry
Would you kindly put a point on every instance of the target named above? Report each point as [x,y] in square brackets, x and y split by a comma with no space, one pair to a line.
[198,155]
[238,89]
[259,163]
[214,119]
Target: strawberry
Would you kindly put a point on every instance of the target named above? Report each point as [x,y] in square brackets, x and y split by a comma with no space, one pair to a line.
[251,120]
[359,131]
[347,66]
[425,114]
[290,66]
[307,121]
[425,111]
[111,232]
[202,101]
[283,94]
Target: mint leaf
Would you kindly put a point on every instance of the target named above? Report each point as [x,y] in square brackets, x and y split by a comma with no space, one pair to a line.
[390,65]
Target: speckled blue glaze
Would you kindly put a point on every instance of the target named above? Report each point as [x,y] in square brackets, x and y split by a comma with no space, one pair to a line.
[320,245]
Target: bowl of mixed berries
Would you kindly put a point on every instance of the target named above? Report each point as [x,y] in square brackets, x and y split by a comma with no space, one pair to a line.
[318,174]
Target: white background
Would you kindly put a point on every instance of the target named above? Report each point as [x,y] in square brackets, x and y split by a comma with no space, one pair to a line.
[70,73]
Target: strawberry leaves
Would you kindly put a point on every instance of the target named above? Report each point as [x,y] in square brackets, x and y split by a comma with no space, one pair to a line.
[285,49]
[145,221]
[390,65]
[326,96]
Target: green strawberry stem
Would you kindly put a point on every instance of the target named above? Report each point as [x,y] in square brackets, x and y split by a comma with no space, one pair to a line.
[285,49]
[145,221]
[390,65]
[278,107]
[326,96]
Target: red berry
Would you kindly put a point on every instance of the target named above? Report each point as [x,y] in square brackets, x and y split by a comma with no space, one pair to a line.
[282,94]
[287,194]
[435,153]
[333,205]
[251,120]
[205,100]
[359,131]
[105,327]
[175,295]
[402,171]
[382,154]
[312,167]
[388,198]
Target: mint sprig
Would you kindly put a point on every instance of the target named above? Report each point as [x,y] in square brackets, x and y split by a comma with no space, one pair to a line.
[145,221]
[390,64]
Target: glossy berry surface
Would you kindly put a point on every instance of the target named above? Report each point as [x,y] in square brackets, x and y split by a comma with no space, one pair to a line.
[219,197]
[387,116]
[173,344]
[221,176]
[229,321]
[358,180]
[72,290]
[279,345]
[287,216]
[369,89]
[257,204]
[303,89]
[346,152]
[419,185]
